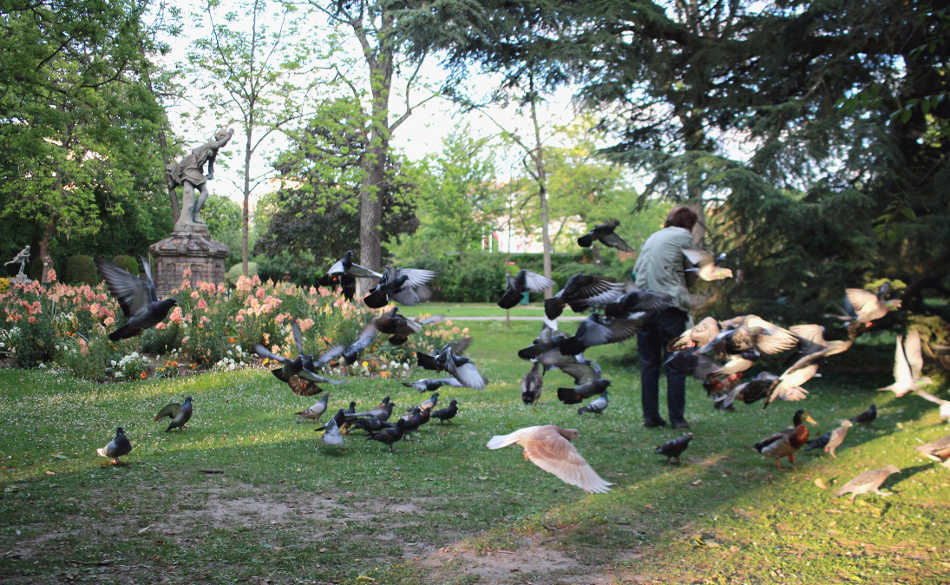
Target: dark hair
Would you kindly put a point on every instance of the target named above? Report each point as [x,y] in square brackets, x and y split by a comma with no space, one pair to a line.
[681,216]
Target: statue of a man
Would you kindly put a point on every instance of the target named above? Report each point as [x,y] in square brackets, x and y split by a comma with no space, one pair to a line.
[23,256]
[189,174]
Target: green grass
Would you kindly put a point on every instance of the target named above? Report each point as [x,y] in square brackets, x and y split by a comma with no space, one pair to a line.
[443,508]
[456,310]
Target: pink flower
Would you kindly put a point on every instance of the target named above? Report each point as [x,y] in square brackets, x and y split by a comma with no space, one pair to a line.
[50,275]
[260,292]
[32,319]
[101,297]
[161,326]
[280,318]
[194,294]
[202,305]
[221,288]
[109,322]
[239,319]
[175,316]
[306,324]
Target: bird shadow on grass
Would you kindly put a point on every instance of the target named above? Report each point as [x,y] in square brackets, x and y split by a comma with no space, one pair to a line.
[905,474]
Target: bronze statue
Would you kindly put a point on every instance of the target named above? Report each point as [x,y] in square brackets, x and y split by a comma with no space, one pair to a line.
[189,174]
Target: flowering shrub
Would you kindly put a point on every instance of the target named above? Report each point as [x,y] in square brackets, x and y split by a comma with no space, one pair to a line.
[211,327]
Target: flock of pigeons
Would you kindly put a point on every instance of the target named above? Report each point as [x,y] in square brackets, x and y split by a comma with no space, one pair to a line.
[718,353]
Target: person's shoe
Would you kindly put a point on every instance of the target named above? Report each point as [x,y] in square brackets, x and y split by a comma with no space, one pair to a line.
[654,422]
[681,424]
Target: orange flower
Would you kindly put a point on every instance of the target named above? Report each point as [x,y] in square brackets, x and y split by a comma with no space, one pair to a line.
[230,340]
[384,374]
[142,375]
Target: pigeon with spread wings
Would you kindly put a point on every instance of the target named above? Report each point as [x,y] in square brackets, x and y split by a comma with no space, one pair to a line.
[136,297]
[705,265]
[524,281]
[582,292]
[908,364]
[406,286]
[604,233]
[550,448]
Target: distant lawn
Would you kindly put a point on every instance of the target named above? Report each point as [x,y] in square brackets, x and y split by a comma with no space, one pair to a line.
[245,495]
[454,310]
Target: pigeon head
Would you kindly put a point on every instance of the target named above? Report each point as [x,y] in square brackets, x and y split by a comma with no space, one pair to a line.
[120,430]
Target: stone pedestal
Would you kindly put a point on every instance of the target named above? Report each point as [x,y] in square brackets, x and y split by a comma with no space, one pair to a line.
[188,249]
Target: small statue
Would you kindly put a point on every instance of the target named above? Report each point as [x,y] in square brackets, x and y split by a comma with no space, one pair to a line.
[189,174]
[23,256]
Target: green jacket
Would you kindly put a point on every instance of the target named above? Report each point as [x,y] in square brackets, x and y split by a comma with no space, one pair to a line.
[659,267]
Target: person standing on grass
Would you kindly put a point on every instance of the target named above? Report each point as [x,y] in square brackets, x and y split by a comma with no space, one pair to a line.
[659,268]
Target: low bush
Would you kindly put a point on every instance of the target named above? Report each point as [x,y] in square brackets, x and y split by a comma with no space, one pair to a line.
[81,269]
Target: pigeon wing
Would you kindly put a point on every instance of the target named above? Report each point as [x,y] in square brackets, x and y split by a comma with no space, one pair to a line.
[535,282]
[550,451]
[915,359]
[130,291]
[614,241]
[171,410]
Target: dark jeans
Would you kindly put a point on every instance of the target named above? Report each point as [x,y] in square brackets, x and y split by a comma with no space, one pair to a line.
[651,345]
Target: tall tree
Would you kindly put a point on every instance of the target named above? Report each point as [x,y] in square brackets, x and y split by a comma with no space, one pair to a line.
[75,145]
[316,213]
[256,68]
[373,24]
[458,198]
[794,119]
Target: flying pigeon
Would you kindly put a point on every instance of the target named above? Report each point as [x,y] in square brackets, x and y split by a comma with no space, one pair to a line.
[597,405]
[525,280]
[432,384]
[938,450]
[462,368]
[549,447]
[604,233]
[117,447]
[406,286]
[179,413]
[531,384]
[581,292]
[705,264]
[136,297]
[344,273]
[908,363]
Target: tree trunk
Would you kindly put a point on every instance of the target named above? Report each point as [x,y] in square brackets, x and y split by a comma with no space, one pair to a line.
[45,260]
[541,177]
[245,210]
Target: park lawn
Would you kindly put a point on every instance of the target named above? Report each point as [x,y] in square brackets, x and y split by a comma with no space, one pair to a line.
[245,495]
[460,310]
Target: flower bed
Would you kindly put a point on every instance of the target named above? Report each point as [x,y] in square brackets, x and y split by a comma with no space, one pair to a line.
[212,327]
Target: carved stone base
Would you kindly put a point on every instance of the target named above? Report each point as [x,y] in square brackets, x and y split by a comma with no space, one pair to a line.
[188,250]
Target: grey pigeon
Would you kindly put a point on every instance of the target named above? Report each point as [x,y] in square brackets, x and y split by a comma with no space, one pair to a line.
[597,405]
[463,369]
[344,273]
[673,449]
[597,329]
[117,447]
[406,286]
[531,384]
[604,233]
[582,292]
[316,411]
[331,435]
[136,297]
[432,384]
[179,413]
[524,281]
[867,482]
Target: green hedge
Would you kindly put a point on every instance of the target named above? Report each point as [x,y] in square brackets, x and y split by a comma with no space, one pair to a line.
[80,269]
